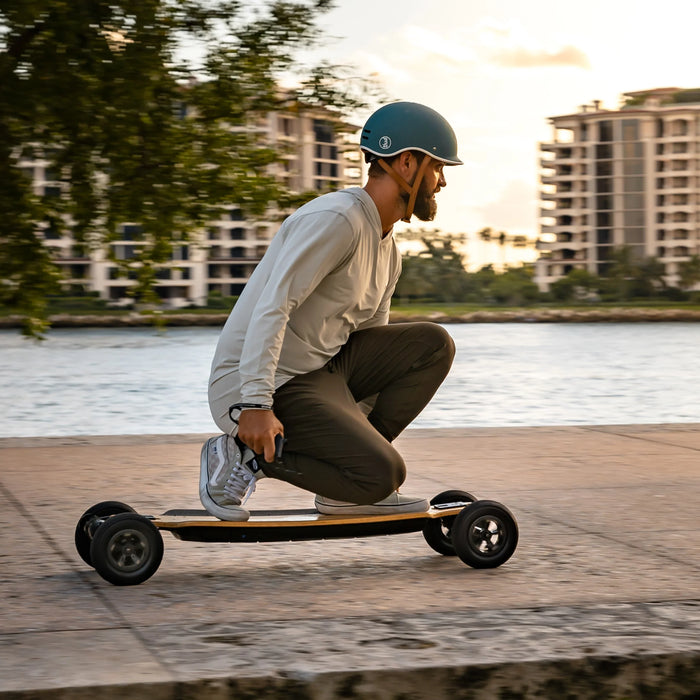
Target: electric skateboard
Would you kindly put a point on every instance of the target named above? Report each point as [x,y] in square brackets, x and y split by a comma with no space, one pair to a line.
[126,548]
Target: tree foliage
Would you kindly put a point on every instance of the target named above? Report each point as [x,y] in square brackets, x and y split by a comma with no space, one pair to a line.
[437,273]
[133,129]
[628,277]
[689,272]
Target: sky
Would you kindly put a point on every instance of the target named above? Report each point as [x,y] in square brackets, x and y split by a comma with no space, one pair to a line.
[498,70]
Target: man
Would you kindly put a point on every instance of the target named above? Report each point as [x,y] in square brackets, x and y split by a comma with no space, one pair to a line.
[307,353]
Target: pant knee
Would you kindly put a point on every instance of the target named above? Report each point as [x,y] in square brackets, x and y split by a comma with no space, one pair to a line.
[438,343]
[444,344]
[390,473]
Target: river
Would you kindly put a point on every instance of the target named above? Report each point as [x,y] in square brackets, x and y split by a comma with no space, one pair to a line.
[140,381]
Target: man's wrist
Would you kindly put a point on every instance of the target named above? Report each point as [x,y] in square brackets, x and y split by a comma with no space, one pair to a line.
[246,406]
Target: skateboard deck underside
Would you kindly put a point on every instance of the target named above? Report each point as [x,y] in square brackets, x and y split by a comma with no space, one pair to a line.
[292,525]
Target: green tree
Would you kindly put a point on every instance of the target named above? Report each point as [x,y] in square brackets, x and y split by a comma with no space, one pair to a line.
[577,285]
[689,272]
[135,133]
[437,272]
[515,287]
[631,276]
[617,282]
[650,278]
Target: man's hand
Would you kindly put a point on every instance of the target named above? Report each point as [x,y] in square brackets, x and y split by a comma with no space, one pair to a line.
[257,429]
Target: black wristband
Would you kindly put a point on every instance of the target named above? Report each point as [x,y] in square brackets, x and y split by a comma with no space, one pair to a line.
[242,406]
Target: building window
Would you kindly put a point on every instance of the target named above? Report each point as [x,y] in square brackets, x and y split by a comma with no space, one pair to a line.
[181,252]
[634,183]
[679,127]
[633,166]
[116,293]
[323,131]
[634,236]
[604,201]
[634,218]
[125,252]
[604,236]
[633,150]
[131,232]
[287,126]
[633,201]
[630,129]
[605,130]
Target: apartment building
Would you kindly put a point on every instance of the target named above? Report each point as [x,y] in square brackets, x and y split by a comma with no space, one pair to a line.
[624,177]
[224,255]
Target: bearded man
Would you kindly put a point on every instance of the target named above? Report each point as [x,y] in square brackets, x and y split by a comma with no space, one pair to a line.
[307,353]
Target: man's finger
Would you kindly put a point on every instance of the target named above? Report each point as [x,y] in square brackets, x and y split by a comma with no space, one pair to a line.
[270,450]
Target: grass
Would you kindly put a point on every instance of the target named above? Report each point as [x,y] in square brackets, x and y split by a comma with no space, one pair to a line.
[454,309]
[412,309]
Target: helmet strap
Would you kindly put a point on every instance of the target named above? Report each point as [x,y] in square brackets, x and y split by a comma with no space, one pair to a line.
[412,191]
[416,186]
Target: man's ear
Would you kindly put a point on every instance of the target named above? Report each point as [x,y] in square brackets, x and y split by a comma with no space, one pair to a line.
[406,164]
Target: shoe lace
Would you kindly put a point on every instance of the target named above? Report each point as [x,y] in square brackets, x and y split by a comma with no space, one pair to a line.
[241,483]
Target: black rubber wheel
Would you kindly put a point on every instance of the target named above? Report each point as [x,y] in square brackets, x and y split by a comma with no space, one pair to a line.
[126,549]
[437,532]
[485,535]
[90,520]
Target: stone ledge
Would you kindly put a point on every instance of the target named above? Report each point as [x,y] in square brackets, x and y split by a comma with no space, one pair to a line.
[635,650]
[524,315]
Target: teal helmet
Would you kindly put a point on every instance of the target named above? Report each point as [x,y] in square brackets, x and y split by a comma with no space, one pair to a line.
[409,126]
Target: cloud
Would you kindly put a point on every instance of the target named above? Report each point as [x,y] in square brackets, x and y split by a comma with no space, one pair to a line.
[520,57]
[433,46]
[512,45]
[514,209]
[428,59]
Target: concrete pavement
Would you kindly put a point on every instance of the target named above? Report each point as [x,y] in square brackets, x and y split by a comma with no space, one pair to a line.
[601,599]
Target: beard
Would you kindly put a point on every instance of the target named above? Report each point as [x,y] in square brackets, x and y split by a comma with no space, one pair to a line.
[425,207]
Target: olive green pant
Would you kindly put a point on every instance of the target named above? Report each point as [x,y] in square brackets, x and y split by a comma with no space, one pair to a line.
[333,447]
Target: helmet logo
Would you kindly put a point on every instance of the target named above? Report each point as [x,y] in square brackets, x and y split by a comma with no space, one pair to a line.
[384,142]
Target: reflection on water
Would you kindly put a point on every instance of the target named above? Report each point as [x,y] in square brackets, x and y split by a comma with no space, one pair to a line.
[137,381]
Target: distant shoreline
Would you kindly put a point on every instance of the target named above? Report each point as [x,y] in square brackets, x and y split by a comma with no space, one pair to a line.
[524,315]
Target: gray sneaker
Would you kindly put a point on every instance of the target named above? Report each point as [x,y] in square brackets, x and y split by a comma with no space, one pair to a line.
[394,503]
[227,477]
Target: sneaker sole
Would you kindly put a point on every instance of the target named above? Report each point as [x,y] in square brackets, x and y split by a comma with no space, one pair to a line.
[417,507]
[229,513]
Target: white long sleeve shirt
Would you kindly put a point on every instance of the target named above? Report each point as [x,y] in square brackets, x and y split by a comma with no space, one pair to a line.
[328,272]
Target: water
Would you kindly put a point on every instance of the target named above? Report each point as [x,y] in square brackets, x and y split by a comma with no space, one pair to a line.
[139,381]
